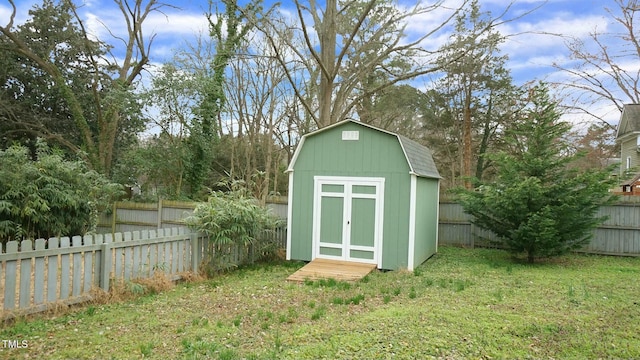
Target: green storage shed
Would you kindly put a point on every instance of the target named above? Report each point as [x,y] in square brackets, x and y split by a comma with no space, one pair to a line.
[359,193]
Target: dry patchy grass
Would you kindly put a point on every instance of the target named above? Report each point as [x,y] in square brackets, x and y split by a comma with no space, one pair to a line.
[460,304]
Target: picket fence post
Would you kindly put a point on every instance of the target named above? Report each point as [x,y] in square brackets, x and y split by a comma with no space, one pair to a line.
[25,275]
[10,276]
[64,269]
[195,246]
[159,219]
[105,262]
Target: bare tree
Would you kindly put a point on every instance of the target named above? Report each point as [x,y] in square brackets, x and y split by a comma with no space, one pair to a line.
[259,98]
[352,40]
[111,80]
[605,66]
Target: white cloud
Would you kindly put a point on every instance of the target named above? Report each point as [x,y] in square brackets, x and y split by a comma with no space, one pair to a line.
[177,24]
[22,11]
[169,29]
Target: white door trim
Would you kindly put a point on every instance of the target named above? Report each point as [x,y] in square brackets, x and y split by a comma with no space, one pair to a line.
[412,222]
[347,194]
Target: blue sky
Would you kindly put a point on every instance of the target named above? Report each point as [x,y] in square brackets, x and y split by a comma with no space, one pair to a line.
[531,53]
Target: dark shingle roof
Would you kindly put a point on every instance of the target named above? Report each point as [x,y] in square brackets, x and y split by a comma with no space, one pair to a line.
[419,158]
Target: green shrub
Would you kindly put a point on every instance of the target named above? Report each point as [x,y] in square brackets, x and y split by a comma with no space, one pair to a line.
[49,196]
[539,204]
[239,230]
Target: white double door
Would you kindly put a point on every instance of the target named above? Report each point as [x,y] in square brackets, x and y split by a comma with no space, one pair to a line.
[347,218]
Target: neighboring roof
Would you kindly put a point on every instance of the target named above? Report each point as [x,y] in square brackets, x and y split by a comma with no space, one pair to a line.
[419,157]
[629,121]
[632,181]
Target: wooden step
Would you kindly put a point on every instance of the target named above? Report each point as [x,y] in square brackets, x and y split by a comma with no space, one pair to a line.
[332,269]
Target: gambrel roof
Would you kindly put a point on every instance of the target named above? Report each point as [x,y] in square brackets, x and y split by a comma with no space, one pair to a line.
[419,157]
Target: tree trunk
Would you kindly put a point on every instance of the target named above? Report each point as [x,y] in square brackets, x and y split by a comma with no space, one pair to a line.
[484,143]
[466,140]
[328,35]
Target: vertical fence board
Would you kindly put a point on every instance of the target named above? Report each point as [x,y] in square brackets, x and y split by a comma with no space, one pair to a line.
[160,253]
[174,257]
[144,256]
[39,274]
[166,257]
[153,259]
[97,259]
[181,251]
[77,266]
[106,261]
[118,256]
[25,275]
[87,275]
[11,274]
[65,266]
[193,247]
[153,253]
[128,258]
[135,264]
[52,271]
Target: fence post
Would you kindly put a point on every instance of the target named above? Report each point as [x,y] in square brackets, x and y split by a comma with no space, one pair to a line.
[195,250]
[105,265]
[472,235]
[159,213]
[114,217]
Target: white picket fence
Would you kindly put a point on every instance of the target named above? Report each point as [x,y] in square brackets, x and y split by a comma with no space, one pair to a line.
[65,270]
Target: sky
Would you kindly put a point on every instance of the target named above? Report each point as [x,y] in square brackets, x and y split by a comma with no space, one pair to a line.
[530,48]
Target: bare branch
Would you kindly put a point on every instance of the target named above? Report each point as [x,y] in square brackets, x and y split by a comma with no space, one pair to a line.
[12,16]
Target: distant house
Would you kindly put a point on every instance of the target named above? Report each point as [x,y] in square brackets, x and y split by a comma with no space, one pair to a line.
[628,136]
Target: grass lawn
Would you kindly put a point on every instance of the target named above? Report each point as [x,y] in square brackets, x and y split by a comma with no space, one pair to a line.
[460,304]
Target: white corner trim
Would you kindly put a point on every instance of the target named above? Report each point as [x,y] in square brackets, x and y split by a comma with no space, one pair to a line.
[295,155]
[289,214]
[406,157]
[437,215]
[412,222]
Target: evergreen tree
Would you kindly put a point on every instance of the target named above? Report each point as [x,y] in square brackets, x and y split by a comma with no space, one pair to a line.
[539,205]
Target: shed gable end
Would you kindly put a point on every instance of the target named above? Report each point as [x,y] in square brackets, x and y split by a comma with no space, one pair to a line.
[338,151]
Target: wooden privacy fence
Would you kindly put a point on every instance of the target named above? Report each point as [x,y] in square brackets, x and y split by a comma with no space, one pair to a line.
[618,235]
[65,270]
[130,216]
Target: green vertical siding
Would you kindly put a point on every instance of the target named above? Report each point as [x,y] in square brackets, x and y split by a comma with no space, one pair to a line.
[629,149]
[332,214]
[396,221]
[426,219]
[375,154]
[362,228]
[302,215]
